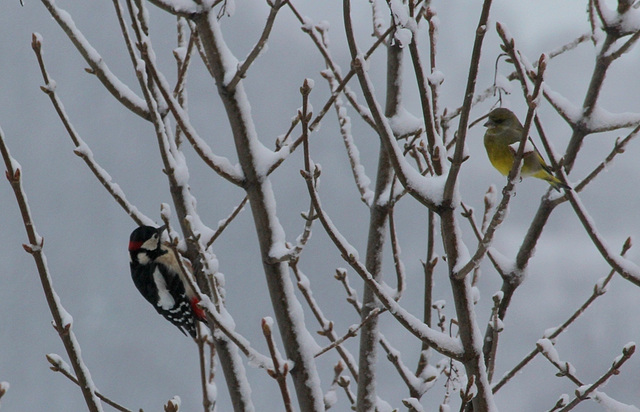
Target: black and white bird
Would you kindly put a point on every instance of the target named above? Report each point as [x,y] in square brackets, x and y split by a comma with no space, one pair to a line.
[158,277]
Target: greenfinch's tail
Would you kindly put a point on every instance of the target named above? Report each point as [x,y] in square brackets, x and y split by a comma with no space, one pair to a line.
[555,182]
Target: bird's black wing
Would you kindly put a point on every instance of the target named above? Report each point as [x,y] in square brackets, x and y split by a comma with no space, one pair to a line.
[180,314]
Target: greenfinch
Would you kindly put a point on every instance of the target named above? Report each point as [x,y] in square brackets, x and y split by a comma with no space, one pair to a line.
[504,132]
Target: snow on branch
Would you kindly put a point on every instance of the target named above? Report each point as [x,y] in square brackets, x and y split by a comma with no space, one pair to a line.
[610,404]
[584,391]
[218,316]
[98,66]
[363,181]
[601,120]
[220,164]
[185,8]
[443,343]
[427,190]
[571,113]
[501,85]
[551,334]
[318,33]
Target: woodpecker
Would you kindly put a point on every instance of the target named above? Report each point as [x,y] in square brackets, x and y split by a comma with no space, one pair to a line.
[157,275]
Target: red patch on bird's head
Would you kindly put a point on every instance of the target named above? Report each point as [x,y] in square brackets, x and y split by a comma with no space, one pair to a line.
[134,245]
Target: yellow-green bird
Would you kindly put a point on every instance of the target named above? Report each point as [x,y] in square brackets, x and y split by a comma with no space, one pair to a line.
[503,130]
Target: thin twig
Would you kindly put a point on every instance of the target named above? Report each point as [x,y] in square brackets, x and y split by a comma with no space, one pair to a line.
[598,290]
[582,393]
[508,190]
[219,164]
[280,368]
[224,223]
[58,365]
[326,326]
[397,261]
[260,44]
[350,256]
[98,66]
[351,332]
[62,320]
[81,147]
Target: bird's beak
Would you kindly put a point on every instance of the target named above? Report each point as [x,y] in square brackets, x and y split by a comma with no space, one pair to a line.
[489,123]
[162,229]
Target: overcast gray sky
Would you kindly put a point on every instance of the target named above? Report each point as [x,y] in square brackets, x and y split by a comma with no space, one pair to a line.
[139,359]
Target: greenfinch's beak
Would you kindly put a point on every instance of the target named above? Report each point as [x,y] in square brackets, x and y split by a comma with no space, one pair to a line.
[489,123]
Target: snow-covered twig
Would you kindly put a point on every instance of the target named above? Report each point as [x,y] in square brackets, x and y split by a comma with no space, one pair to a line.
[203,54]
[256,162]
[599,289]
[4,387]
[417,383]
[293,253]
[62,320]
[185,8]
[125,31]
[584,391]
[352,295]
[546,347]
[495,327]
[59,365]
[426,190]
[468,214]
[98,67]
[222,321]
[344,382]
[435,147]
[330,395]
[512,178]
[220,164]
[81,147]
[490,91]
[173,404]
[183,59]
[361,179]
[524,74]
[177,174]
[335,94]
[443,343]
[316,34]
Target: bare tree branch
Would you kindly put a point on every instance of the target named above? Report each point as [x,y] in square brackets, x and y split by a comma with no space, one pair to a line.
[62,320]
